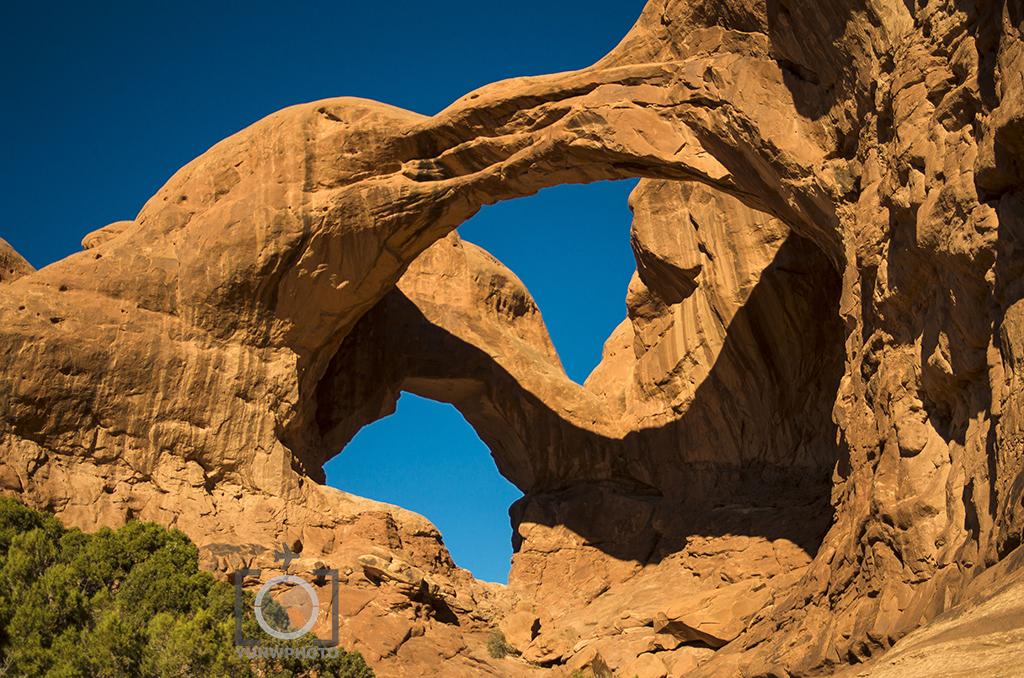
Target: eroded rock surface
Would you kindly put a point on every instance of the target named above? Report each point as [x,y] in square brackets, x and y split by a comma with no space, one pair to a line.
[804,441]
[12,264]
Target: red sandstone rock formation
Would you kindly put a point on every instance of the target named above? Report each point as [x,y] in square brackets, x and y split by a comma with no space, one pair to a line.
[804,442]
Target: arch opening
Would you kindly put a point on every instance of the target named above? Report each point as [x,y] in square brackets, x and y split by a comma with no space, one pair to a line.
[569,245]
[426,458]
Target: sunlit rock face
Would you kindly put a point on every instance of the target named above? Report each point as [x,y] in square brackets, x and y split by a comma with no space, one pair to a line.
[803,442]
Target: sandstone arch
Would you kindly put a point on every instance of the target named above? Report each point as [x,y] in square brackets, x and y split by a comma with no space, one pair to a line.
[173,370]
[461,328]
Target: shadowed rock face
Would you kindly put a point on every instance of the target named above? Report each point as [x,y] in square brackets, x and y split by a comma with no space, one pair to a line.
[804,441]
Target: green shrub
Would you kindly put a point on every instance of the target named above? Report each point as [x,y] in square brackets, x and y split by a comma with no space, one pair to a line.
[125,602]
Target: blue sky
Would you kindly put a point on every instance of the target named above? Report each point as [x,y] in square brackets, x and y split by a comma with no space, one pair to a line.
[104,101]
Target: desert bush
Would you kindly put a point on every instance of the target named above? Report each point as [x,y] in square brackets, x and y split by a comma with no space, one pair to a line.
[126,602]
[498,647]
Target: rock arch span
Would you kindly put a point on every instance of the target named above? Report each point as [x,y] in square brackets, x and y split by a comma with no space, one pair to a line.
[176,369]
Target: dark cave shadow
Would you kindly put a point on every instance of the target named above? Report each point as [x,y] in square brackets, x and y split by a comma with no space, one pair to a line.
[753,455]
[1007,478]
